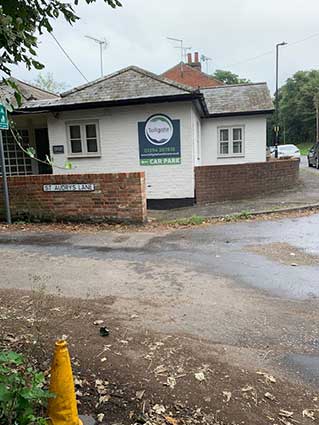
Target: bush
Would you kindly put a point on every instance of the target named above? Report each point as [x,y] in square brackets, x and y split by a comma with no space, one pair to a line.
[22,396]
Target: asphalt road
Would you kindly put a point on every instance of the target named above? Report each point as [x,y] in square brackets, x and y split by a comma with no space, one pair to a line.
[251,287]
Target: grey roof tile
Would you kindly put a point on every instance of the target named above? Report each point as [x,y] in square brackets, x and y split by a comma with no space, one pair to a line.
[126,84]
[28,91]
[238,98]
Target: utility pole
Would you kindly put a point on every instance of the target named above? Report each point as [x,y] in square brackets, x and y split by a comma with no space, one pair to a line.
[277,128]
[4,125]
[102,44]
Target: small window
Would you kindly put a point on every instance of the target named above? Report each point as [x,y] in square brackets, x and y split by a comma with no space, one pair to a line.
[231,141]
[83,139]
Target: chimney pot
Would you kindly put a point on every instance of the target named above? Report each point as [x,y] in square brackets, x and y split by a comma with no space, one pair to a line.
[196,57]
[189,58]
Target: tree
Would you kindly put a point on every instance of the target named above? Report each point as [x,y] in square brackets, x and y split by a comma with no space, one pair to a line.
[22,20]
[229,77]
[297,115]
[47,82]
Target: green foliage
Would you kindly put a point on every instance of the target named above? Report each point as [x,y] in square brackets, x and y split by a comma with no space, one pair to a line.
[195,220]
[243,215]
[297,111]
[304,148]
[22,20]
[22,397]
[47,82]
[229,77]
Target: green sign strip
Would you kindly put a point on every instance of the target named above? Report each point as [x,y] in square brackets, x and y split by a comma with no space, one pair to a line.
[4,123]
[160,161]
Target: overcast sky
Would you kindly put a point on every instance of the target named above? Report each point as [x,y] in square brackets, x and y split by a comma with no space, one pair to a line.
[228,31]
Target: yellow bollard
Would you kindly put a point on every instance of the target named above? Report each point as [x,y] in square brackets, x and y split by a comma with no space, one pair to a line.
[62,410]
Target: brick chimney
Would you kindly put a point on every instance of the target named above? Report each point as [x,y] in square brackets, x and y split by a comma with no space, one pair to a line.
[196,63]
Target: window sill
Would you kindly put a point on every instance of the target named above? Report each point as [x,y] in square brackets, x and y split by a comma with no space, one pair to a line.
[84,156]
[230,156]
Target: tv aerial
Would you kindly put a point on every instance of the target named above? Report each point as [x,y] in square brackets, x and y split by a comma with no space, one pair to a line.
[103,45]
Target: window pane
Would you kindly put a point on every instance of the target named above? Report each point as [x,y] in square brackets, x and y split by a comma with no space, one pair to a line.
[90,131]
[237,147]
[237,134]
[76,146]
[92,145]
[224,135]
[224,148]
[75,132]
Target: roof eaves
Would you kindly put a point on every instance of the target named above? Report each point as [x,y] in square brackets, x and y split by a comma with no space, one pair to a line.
[240,113]
[225,86]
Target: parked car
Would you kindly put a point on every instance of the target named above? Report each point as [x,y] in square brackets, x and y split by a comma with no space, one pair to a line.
[285,151]
[313,156]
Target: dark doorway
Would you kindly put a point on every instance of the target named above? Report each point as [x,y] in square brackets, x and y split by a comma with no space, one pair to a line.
[43,149]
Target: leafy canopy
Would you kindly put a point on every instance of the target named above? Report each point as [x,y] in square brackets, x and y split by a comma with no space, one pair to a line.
[296,107]
[229,77]
[22,20]
[47,82]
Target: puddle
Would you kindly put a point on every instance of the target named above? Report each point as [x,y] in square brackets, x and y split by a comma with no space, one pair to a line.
[284,253]
[306,366]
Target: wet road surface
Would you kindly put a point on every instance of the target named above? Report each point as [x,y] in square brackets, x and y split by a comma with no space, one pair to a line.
[252,286]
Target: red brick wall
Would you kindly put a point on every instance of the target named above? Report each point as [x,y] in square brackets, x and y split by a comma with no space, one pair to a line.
[191,77]
[117,197]
[215,183]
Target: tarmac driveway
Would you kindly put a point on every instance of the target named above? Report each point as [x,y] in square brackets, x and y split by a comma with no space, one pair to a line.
[251,287]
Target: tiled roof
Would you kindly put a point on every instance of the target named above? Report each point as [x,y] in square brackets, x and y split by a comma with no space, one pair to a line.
[240,98]
[134,85]
[126,84]
[28,92]
[186,74]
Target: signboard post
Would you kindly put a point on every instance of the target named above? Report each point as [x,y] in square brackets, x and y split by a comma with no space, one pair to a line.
[4,125]
[159,141]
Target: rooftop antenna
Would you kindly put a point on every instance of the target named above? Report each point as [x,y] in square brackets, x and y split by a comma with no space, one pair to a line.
[182,49]
[206,60]
[103,44]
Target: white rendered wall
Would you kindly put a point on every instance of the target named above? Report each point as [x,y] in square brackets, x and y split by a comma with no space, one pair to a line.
[255,139]
[120,150]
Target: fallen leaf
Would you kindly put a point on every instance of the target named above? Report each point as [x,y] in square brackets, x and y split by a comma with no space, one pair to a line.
[170,420]
[140,394]
[100,417]
[171,382]
[310,413]
[286,413]
[200,376]
[228,395]
[270,396]
[247,388]
[268,377]
[159,409]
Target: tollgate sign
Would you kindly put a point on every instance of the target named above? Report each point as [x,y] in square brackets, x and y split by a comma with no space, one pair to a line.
[159,141]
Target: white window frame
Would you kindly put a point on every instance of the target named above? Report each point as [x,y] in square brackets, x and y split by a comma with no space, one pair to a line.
[231,152]
[84,153]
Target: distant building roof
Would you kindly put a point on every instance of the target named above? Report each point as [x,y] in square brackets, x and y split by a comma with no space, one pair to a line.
[238,99]
[191,73]
[27,90]
[185,74]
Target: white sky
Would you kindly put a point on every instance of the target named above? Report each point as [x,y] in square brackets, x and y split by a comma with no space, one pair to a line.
[228,31]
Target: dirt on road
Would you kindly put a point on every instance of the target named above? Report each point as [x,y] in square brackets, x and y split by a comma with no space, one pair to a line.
[136,376]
